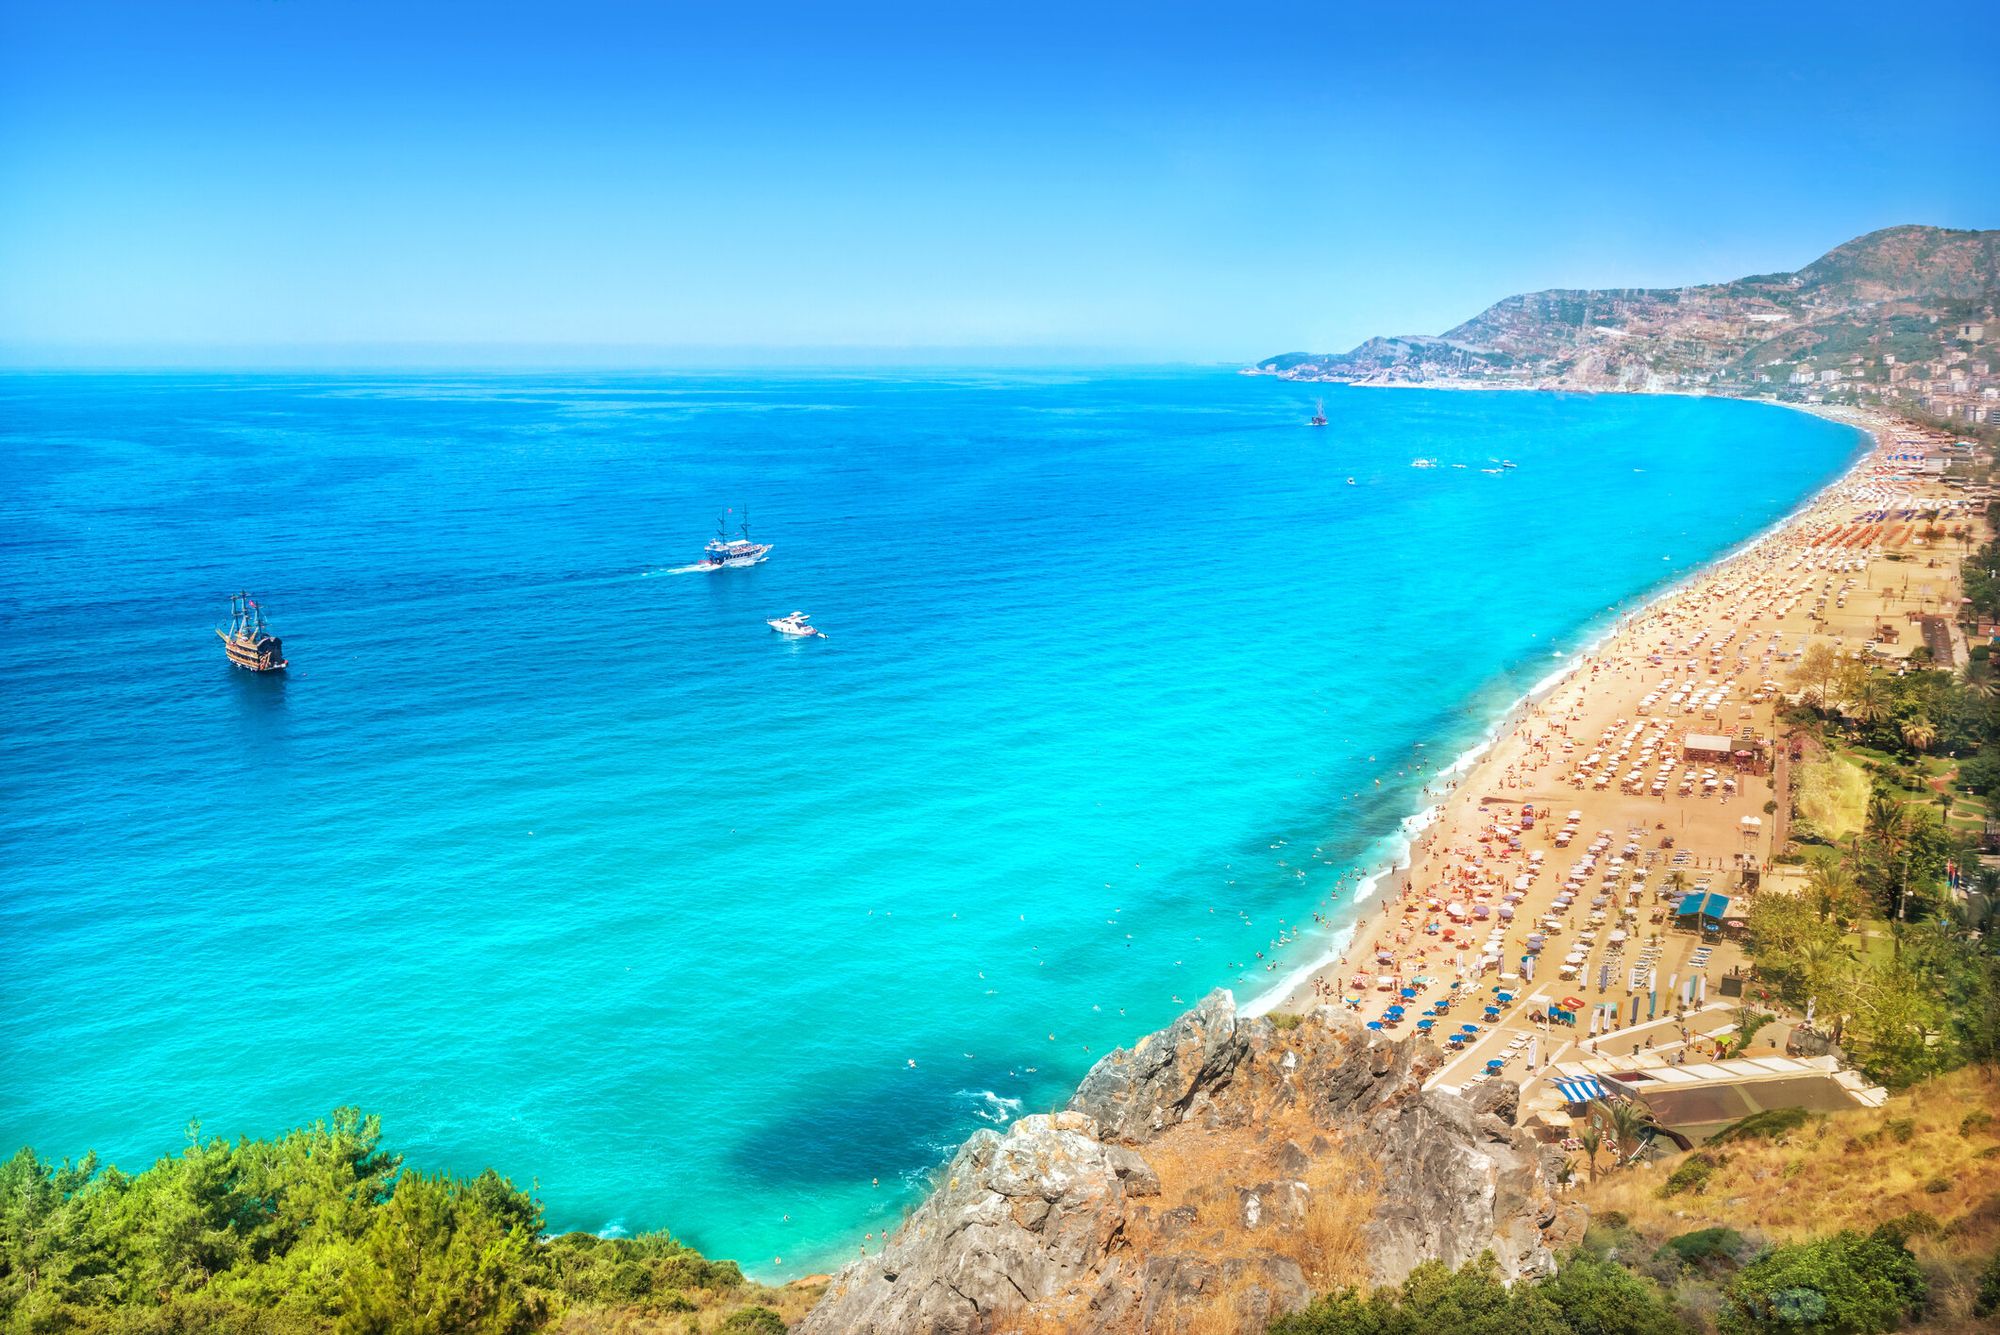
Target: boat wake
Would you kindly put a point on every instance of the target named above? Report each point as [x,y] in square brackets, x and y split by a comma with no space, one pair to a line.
[696,568]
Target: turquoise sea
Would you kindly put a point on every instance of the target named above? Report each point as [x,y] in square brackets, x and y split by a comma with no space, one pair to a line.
[570,866]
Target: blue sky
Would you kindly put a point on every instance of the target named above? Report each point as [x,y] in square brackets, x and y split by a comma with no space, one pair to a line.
[260,181]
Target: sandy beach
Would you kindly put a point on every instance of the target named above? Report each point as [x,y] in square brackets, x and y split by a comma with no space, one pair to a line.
[1550,869]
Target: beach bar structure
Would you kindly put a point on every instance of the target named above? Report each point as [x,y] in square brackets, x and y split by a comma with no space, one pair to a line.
[1710,747]
[1700,912]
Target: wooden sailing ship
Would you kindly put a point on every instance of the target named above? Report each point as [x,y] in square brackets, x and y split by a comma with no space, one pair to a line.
[248,641]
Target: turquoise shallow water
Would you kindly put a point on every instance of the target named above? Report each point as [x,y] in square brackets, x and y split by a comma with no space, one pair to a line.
[572,867]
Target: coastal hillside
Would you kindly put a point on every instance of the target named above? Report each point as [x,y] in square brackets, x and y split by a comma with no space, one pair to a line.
[1904,315]
[1215,1176]
[1924,1169]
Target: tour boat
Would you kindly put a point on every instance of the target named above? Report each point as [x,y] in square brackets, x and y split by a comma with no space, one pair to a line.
[1423,463]
[1319,413]
[795,626]
[248,641]
[726,552]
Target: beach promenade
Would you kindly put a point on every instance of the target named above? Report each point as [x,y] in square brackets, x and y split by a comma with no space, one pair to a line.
[1580,887]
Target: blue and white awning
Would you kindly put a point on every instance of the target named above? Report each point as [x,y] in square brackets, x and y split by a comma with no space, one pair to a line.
[1581,1090]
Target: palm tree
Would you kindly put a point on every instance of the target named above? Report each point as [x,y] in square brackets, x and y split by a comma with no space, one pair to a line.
[1988,880]
[1831,888]
[1625,1123]
[1870,704]
[1918,733]
[1888,824]
[1592,1142]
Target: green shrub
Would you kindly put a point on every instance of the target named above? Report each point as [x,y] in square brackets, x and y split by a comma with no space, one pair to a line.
[1710,1251]
[1768,1125]
[314,1230]
[1597,1296]
[1974,1122]
[1846,1284]
[1692,1175]
[1900,1129]
[753,1321]
[1988,1300]
[1283,1021]
[1897,1231]
[1472,1300]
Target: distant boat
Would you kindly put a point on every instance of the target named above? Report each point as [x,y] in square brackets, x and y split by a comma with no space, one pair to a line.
[727,553]
[248,641]
[1319,413]
[1350,482]
[796,627]
[1423,463]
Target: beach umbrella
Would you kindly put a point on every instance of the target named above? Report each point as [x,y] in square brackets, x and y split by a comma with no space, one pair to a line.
[1506,996]
[1425,1024]
[1495,1064]
[1409,992]
[1468,1029]
[1492,1012]
[1375,1024]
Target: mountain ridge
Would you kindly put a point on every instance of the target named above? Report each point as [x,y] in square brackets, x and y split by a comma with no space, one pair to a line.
[1901,313]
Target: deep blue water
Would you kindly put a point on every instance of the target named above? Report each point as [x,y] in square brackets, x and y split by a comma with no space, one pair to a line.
[576,869]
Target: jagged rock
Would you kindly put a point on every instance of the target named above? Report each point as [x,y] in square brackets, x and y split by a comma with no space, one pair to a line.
[1272,1203]
[1502,1098]
[1136,1093]
[1263,1285]
[1137,1175]
[1017,1218]
[1454,1183]
[1046,1216]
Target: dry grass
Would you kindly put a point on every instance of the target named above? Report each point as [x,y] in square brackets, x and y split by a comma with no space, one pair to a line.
[1926,1151]
[1226,1311]
[791,1302]
[1204,1168]
[1850,1170]
[1332,1245]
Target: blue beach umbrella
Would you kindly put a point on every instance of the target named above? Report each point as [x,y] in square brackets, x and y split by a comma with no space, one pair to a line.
[1468,1029]
[1409,993]
[1425,1024]
[1495,1064]
[1492,1012]
[1375,1024]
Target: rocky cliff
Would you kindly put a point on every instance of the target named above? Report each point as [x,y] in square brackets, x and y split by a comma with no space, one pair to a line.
[1221,1167]
[1900,296]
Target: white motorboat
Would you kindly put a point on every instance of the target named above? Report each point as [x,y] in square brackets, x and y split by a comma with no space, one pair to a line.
[796,626]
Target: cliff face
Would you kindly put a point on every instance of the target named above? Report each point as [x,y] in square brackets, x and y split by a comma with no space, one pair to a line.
[1219,1165]
[1903,291]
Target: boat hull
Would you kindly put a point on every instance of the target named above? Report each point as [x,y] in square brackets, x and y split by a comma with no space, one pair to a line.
[267,656]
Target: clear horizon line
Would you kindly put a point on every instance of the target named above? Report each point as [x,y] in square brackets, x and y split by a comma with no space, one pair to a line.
[465,355]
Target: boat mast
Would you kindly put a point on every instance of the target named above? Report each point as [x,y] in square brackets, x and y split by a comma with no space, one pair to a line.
[746,522]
